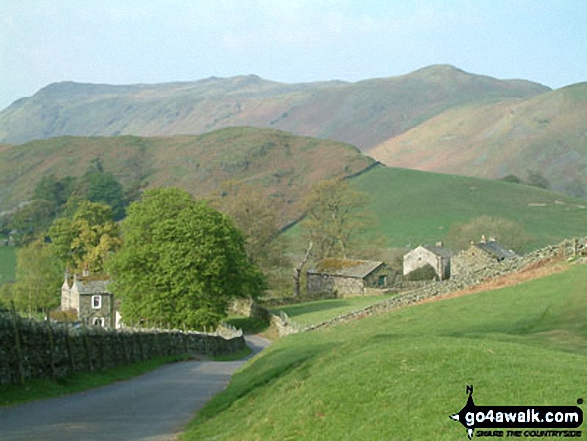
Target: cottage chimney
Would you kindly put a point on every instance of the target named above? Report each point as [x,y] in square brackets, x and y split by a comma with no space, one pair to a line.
[483,239]
[86,271]
[440,244]
[66,275]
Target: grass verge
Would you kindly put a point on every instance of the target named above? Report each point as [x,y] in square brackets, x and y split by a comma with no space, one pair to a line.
[398,376]
[319,311]
[245,352]
[39,389]
[249,325]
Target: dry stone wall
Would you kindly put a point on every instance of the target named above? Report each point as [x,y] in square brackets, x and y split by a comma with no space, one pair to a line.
[30,349]
[567,250]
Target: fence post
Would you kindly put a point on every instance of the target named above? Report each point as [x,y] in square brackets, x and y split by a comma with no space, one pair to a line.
[15,325]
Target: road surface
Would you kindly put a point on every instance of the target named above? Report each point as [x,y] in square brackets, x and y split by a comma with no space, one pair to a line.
[151,407]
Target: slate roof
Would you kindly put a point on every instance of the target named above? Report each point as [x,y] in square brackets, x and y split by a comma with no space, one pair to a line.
[495,250]
[92,286]
[358,269]
[438,251]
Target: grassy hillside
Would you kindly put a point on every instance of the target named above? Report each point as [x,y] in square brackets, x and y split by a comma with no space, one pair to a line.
[282,166]
[419,208]
[364,113]
[413,207]
[399,376]
[546,133]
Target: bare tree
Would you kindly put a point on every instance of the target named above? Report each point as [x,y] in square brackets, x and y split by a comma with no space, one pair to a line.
[298,269]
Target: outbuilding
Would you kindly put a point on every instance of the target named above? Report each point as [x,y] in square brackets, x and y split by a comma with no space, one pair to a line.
[346,277]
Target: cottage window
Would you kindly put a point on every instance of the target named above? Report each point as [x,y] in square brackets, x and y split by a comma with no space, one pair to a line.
[96,302]
[381,281]
[98,321]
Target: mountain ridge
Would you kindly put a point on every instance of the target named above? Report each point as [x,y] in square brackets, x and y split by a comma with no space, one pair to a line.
[546,133]
[362,113]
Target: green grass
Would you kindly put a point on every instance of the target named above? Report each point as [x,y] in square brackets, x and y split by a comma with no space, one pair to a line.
[249,325]
[39,389]
[414,207]
[400,375]
[311,313]
[245,352]
[7,264]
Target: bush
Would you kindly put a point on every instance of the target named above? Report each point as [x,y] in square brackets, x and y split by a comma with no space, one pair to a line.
[423,273]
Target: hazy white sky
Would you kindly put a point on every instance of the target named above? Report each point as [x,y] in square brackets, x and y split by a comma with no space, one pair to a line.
[151,41]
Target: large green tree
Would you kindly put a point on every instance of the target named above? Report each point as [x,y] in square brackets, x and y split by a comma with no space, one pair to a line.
[100,186]
[87,238]
[180,263]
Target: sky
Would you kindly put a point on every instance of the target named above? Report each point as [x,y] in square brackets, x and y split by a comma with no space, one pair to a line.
[155,41]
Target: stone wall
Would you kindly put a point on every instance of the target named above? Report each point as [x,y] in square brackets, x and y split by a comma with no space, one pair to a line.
[470,260]
[30,349]
[568,250]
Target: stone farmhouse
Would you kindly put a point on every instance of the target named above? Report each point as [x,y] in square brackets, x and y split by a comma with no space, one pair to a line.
[345,277]
[478,255]
[436,256]
[89,296]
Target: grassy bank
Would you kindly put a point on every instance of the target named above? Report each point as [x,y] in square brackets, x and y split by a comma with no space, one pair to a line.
[400,375]
[311,313]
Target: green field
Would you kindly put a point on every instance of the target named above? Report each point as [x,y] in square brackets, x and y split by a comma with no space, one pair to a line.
[414,207]
[400,375]
[7,264]
[311,313]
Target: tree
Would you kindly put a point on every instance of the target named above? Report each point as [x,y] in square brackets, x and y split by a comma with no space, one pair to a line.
[536,179]
[97,185]
[334,217]
[298,269]
[509,233]
[53,190]
[31,220]
[181,262]
[86,239]
[254,215]
[38,276]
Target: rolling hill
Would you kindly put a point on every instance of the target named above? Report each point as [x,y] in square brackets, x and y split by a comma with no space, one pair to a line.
[414,207]
[546,133]
[364,113]
[281,166]
[398,376]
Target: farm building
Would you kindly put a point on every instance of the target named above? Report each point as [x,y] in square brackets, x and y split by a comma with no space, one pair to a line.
[437,257]
[89,296]
[345,277]
[478,255]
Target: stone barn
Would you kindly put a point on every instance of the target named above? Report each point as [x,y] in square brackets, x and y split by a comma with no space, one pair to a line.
[437,257]
[345,277]
[89,296]
[478,255]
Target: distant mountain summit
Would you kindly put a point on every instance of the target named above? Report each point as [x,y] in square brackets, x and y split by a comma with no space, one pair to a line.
[363,113]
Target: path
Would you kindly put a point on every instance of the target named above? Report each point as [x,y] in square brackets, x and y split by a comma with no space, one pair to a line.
[151,407]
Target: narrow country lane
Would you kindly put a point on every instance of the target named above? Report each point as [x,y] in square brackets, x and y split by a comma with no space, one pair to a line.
[151,407]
